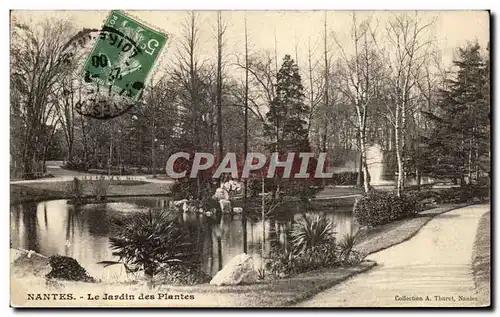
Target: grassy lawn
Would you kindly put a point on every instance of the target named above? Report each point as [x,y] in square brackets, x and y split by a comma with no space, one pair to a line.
[481,260]
[58,190]
[27,275]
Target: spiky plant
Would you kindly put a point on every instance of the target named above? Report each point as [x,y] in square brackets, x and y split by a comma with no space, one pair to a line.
[312,231]
[150,240]
[346,244]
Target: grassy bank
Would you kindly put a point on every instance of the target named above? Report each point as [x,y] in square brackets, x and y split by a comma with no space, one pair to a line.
[33,192]
[481,260]
[382,237]
[27,275]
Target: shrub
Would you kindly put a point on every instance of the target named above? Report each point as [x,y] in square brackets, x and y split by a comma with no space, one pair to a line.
[342,178]
[67,268]
[312,247]
[186,188]
[100,188]
[181,275]
[76,190]
[289,262]
[345,178]
[379,207]
[461,194]
[311,231]
[151,241]
[255,186]
[346,244]
[76,166]
[281,263]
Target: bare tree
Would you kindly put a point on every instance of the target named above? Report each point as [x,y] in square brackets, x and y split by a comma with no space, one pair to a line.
[408,55]
[68,96]
[221,29]
[245,145]
[359,73]
[326,88]
[315,86]
[38,58]
[261,82]
[191,76]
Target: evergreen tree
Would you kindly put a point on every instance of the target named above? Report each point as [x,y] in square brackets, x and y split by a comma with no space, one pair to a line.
[287,125]
[287,129]
[459,142]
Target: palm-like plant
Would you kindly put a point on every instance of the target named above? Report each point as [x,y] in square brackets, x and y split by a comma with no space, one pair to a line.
[312,231]
[150,240]
[346,245]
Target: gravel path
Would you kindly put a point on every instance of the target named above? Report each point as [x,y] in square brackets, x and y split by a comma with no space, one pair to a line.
[431,269]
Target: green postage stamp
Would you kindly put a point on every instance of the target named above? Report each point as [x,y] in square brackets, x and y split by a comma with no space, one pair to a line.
[123,56]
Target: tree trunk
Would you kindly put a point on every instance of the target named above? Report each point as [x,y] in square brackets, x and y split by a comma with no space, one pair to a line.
[399,154]
[419,178]
[245,147]
[400,180]
[70,151]
[364,165]
[359,179]
[220,33]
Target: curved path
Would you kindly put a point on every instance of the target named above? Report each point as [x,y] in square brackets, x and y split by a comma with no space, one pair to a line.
[431,269]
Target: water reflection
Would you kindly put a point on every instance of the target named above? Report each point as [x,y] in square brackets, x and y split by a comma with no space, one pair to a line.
[54,227]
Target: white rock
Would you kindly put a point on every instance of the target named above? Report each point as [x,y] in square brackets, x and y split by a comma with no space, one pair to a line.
[221,193]
[225,206]
[240,270]
[178,203]
[237,210]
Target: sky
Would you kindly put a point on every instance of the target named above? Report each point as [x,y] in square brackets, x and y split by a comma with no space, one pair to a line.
[292,29]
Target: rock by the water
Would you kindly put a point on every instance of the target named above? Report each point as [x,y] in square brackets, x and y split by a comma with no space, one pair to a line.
[240,270]
[237,210]
[221,193]
[225,206]
[179,203]
[30,254]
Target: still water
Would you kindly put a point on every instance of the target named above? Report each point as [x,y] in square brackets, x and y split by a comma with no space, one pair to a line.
[54,227]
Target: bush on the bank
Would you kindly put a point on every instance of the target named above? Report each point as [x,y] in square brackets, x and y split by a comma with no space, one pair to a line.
[67,268]
[181,275]
[346,245]
[312,247]
[76,166]
[255,186]
[152,241]
[77,190]
[311,231]
[100,188]
[345,178]
[379,207]
[461,194]
[284,263]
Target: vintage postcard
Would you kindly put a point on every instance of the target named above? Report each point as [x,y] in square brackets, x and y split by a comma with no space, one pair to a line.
[250,158]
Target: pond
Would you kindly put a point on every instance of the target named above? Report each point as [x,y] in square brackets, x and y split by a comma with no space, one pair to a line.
[54,227]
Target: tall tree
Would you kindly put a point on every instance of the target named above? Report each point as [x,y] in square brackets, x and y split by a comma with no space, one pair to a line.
[326,92]
[360,73]
[221,29]
[38,58]
[245,145]
[410,44]
[286,119]
[458,146]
